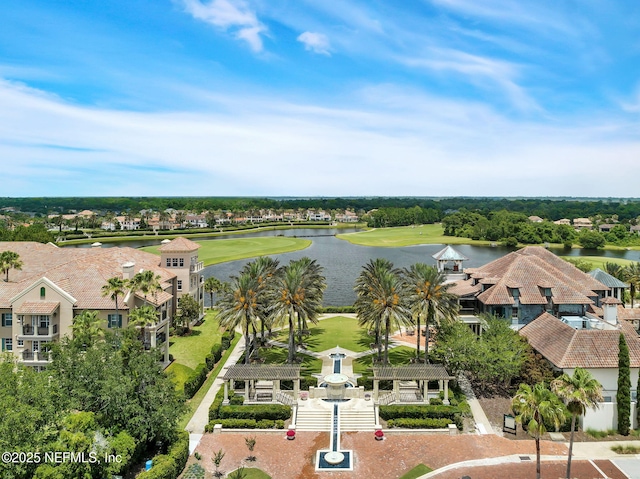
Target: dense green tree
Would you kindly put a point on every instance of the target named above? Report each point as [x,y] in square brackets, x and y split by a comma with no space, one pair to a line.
[187,312]
[623,396]
[591,239]
[579,393]
[147,283]
[382,302]
[428,299]
[87,328]
[631,275]
[140,318]
[535,406]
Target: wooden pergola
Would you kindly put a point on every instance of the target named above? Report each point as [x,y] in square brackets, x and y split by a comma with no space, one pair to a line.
[263,379]
[412,372]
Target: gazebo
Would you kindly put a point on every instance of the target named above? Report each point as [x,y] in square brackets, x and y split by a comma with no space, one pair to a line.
[412,372]
[262,381]
[446,255]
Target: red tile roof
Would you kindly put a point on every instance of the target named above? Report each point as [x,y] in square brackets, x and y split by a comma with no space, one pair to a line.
[179,245]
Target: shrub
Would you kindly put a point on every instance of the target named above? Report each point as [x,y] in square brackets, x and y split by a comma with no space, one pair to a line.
[170,465]
[216,351]
[214,409]
[210,361]
[236,400]
[419,412]
[308,381]
[193,382]
[411,423]
[256,412]
[435,402]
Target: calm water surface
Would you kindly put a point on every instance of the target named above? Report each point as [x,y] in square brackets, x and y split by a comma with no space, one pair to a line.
[343,261]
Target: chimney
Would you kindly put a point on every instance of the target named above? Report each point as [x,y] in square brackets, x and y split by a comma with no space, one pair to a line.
[610,307]
[128,270]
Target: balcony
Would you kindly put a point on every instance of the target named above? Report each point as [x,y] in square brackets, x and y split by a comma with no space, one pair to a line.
[196,267]
[36,356]
[31,332]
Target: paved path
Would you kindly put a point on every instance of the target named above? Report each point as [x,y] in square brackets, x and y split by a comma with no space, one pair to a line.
[200,418]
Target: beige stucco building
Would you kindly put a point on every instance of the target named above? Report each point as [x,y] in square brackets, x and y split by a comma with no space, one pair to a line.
[39,302]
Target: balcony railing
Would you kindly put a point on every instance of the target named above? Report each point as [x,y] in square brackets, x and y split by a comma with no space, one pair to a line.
[29,330]
[196,267]
[36,356]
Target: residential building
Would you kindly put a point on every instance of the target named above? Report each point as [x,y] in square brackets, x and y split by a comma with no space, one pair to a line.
[582,223]
[38,304]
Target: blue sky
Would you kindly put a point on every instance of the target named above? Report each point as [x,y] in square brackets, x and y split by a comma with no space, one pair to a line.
[315,97]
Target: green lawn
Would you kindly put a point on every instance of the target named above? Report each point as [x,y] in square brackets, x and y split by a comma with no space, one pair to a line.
[337,331]
[406,236]
[191,350]
[275,355]
[397,357]
[417,471]
[600,261]
[222,250]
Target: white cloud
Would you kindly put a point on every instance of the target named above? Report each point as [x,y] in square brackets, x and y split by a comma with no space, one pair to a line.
[315,42]
[230,15]
[389,141]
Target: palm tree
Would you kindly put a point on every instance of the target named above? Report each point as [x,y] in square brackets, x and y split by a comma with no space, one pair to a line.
[614,269]
[381,300]
[114,288]
[264,270]
[534,407]
[9,260]
[213,285]
[632,276]
[146,282]
[579,392]
[86,328]
[142,317]
[239,306]
[428,298]
[297,294]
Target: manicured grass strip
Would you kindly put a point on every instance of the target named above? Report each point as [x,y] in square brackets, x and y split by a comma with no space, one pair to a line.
[220,251]
[336,331]
[255,473]
[310,365]
[600,261]
[406,236]
[179,373]
[398,356]
[417,471]
[192,349]
[195,401]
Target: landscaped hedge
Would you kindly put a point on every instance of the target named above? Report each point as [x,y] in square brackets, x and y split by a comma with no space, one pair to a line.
[409,423]
[170,465]
[339,309]
[418,412]
[245,424]
[214,409]
[216,351]
[227,338]
[257,412]
[197,379]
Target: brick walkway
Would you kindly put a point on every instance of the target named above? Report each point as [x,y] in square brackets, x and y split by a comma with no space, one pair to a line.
[390,458]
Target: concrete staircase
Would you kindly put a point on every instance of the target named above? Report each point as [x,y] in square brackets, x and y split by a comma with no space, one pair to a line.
[357,420]
[310,419]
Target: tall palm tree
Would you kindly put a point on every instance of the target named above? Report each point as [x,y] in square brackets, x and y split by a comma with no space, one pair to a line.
[9,260]
[534,407]
[239,306]
[632,276]
[579,392]
[264,270]
[146,282]
[141,317]
[86,328]
[297,296]
[381,300]
[614,269]
[429,299]
[115,288]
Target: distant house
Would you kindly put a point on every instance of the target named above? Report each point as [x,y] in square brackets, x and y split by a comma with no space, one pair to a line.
[582,223]
[346,217]
[318,215]
[605,227]
[635,229]
[563,221]
[535,219]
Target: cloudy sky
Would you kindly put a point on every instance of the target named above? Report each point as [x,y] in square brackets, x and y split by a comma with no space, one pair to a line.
[318,97]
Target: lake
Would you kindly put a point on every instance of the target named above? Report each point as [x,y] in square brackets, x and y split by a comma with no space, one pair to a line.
[343,261]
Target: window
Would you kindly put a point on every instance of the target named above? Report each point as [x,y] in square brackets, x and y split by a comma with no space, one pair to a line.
[168,262]
[175,262]
[20,343]
[7,344]
[7,319]
[36,346]
[42,293]
[514,312]
[44,321]
[114,321]
[515,292]
[179,285]
[181,262]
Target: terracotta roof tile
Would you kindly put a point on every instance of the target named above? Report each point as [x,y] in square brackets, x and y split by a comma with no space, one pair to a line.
[38,307]
[179,245]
